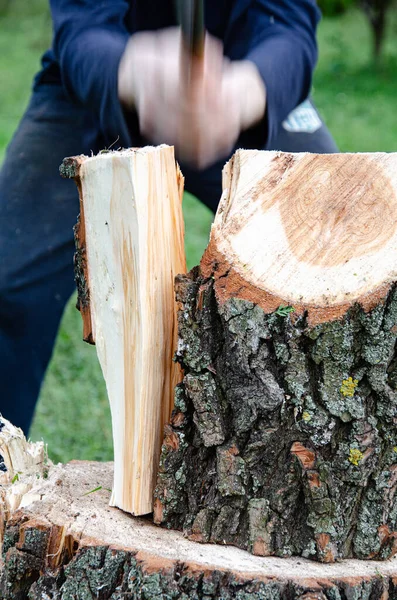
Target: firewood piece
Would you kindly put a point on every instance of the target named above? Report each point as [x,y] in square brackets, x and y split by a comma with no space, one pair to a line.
[21,464]
[70,544]
[288,337]
[130,247]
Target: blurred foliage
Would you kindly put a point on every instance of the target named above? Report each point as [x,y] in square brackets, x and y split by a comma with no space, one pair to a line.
[357,100]
[4,6]
[332,8]
[377,12]
[25,33]
[33,7]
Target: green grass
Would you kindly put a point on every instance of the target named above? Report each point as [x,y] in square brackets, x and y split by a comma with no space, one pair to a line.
[357,99]
[24,32]
[358,102]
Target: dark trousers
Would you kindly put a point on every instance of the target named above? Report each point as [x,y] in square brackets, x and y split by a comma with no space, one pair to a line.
[37,212]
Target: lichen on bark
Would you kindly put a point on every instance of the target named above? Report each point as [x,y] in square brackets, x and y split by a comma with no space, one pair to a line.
[70,166]
[287,433]
[81,279]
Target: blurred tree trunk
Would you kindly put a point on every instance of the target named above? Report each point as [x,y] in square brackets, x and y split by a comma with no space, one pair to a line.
[376,11]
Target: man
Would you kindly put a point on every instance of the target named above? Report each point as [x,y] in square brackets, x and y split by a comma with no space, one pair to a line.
[105,82]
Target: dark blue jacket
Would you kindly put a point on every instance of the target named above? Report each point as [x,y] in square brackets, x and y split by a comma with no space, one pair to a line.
[90,37]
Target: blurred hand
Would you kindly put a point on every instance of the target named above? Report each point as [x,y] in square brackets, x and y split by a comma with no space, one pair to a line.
[202,120]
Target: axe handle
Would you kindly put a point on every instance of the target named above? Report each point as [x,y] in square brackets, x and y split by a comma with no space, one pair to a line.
[191,19]
[193,30]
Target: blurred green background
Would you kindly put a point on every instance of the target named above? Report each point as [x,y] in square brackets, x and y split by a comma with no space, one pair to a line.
[356,96]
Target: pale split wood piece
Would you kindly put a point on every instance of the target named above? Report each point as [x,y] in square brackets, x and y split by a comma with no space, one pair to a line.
[318,232]
[21,464]
[130,247]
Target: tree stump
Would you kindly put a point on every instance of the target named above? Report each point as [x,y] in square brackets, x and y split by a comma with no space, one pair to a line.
[66,543]
[283,440]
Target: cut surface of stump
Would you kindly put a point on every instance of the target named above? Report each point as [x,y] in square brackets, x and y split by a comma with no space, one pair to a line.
[318,232]
[68,543]
[130,247]
[284,438]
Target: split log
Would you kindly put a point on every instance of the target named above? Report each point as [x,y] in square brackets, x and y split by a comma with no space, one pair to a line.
[68,544]
[283,440]
[130,246]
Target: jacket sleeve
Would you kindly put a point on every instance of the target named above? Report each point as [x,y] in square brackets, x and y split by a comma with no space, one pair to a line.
[89,40]
[284,49]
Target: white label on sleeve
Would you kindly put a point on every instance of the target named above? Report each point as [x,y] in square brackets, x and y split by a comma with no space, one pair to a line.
[303,119]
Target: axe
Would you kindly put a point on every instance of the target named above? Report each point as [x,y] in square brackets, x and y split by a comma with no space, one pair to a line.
[191,19]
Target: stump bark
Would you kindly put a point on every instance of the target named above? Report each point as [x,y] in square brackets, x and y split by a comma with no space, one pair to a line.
[66,543]
[283,440]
